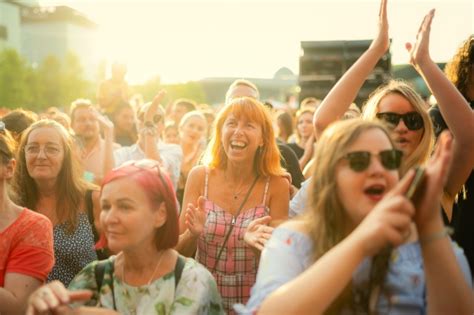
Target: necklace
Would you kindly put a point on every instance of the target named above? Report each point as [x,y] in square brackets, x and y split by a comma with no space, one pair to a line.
[132,307]
[237,191]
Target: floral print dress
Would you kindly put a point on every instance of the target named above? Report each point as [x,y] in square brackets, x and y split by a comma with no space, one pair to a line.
[196,292]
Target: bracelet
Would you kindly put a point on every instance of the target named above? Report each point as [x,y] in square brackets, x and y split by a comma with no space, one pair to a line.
[446,231]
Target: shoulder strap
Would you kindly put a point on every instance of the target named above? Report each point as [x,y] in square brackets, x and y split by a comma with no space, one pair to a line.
[266,190]
[206,182]
[233,222]
[90,213]
[99,272]
[178,269]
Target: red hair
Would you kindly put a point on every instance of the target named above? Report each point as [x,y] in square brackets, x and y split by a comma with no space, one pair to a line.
[157,186]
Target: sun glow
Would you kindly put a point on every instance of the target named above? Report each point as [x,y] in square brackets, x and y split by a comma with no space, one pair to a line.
[188,40]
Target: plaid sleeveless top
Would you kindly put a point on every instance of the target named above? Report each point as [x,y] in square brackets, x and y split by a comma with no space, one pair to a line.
[236,270]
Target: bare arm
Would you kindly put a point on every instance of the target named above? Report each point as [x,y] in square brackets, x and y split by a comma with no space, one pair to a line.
[14,294]
[454,108]
[329,275]
[345,91]
[447,289]
[188,240]
[279,200]
[108,158]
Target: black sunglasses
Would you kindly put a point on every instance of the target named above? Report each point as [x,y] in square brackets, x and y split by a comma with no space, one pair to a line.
[412,120]
[156,118]
[360,160]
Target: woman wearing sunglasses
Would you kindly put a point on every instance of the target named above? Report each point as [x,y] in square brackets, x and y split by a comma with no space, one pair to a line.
[146,276]
[363,247]
[404,110]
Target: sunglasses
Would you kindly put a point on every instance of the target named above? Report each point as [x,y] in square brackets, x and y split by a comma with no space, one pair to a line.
[156,118]
[148,165]
[412,120]
[360,160]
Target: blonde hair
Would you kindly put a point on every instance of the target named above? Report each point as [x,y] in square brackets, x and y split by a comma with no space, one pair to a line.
[423,151]
[299,113]
[327,221]
[267,158]
[240,82]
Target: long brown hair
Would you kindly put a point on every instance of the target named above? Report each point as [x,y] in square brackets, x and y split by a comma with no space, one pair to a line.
[70,185]
[326,218]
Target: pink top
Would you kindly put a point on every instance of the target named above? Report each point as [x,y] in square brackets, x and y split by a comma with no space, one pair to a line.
[236,270]
[26,247]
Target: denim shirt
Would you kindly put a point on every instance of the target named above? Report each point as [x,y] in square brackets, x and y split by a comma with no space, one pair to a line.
[288,253]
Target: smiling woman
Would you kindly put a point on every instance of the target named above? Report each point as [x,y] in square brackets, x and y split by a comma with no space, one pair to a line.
[48,180]
[240,186]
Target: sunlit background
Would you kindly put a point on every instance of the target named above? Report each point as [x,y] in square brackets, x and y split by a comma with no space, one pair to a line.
[191,40]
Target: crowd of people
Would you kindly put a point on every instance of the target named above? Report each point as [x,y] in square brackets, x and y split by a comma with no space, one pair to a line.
[130,207]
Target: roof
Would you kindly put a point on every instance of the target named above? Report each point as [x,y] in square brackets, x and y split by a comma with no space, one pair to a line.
[55,14]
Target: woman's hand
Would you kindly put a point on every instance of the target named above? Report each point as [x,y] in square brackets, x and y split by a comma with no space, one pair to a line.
[420,52]
[381,42]
[389,222]
[54,297]
[258,232]
[153,108]
[195,217]
[427,201]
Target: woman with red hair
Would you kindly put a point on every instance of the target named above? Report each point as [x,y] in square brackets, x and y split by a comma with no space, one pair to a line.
[146,276]
[231,199]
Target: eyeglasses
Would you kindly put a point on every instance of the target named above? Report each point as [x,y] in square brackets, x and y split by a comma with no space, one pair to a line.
[360,160]
[412,120]
[50,151]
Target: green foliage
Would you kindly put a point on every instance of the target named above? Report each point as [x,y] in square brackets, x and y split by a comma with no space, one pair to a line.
[190,90]
[54,82]
[13,76]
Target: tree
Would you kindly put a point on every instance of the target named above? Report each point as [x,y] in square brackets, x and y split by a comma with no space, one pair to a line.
[14,71]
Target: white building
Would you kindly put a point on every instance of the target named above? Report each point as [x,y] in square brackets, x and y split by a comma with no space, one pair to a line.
[37,32]
[10,25]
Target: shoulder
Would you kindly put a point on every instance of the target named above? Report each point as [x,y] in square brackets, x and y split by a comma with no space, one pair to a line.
[297,226]
[32,222]
[194,272]
[197,173]
[279,184]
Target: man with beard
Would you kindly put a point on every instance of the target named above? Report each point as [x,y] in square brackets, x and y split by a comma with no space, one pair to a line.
[95,153]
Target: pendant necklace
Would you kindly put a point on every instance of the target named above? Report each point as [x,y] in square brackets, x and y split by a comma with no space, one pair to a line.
[133,310]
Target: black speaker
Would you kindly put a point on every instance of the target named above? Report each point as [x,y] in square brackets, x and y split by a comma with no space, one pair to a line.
[322,64]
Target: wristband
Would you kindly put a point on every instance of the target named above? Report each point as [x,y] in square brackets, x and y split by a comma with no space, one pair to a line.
[446,231]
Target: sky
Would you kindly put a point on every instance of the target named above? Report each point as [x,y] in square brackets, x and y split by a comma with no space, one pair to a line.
[186,40]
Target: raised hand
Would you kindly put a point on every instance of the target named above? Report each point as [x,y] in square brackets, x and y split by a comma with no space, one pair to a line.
[381,42]
[54,296]
[428,201]
[153,108]
[195,217]
[258,232]
[389,222]
[420,52]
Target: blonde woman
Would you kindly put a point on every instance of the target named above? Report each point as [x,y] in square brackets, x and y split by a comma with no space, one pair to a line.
[403,109]
[364,247]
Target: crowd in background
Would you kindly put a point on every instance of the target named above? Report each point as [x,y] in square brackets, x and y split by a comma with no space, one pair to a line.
[148,208]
